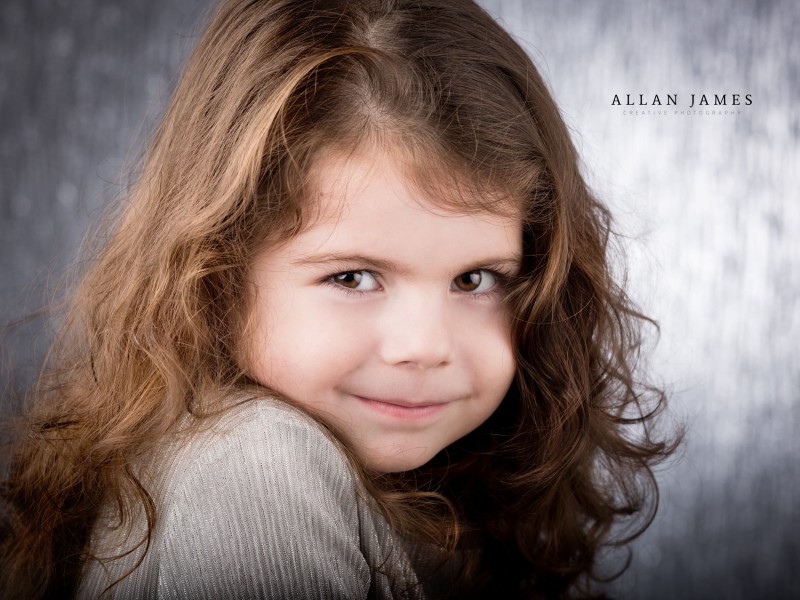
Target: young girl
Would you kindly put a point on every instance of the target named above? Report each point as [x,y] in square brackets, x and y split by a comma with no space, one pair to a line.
[354,334]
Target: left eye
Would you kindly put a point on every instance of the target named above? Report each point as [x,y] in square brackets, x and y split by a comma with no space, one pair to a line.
[363,281]
[473,282]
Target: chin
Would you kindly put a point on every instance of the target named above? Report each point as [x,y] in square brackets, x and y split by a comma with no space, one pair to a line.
[397,462]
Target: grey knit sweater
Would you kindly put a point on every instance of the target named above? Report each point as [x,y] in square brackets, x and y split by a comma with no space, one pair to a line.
[260,505]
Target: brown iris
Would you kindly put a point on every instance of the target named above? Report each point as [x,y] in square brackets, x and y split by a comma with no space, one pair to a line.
[351,279]
[468,282]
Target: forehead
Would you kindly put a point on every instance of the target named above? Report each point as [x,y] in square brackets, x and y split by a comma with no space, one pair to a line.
[370,179]
[369,203]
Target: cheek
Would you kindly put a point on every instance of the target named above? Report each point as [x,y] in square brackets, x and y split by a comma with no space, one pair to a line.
[508,367]
[491,355]
[496,364]
[271,346]
[299,347]
[498,374]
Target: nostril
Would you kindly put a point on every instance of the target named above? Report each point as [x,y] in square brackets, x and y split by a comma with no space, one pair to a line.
[409,349]
[416,330]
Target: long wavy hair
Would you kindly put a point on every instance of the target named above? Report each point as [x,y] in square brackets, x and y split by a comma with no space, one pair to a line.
[527,501]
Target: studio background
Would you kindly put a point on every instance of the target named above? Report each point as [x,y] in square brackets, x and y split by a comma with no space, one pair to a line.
[707,204]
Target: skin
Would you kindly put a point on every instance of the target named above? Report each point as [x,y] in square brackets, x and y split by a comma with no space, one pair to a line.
[384,316]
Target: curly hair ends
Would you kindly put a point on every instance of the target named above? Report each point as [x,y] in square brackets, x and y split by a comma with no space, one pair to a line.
[524,504]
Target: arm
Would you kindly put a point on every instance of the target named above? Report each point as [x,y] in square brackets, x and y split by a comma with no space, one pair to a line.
[267,509]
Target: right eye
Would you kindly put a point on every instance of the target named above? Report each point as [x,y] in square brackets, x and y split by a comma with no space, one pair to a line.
[362,281]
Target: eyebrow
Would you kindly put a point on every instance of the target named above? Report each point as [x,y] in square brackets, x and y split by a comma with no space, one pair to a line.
[380,264]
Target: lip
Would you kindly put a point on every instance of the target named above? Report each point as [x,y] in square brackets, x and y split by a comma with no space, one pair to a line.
[402,408]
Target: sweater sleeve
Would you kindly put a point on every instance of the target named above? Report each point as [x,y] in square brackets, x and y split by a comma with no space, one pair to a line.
[266,509]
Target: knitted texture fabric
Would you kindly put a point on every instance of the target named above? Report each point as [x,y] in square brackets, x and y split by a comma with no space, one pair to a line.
[262,504]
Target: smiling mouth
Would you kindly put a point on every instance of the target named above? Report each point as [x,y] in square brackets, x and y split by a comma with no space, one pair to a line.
[402,408]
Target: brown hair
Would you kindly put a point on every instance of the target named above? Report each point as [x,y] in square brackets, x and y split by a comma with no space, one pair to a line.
[529,498]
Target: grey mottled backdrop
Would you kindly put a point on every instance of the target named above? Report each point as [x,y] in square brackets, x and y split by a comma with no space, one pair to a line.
[708,204]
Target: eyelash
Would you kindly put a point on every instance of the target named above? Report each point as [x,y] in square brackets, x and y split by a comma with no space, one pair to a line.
[501,283]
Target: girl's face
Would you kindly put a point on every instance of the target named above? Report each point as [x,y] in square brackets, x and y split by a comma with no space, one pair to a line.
[384,316]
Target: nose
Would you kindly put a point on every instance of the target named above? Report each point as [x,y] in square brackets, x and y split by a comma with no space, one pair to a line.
[417,332]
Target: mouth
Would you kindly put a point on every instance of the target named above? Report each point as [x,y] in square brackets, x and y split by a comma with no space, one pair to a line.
[402,408]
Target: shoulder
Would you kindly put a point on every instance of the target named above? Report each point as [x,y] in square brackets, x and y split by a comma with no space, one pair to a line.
[259,503]
[263,432]
[256,419]
[262,446]
[262,450]
[264,503]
